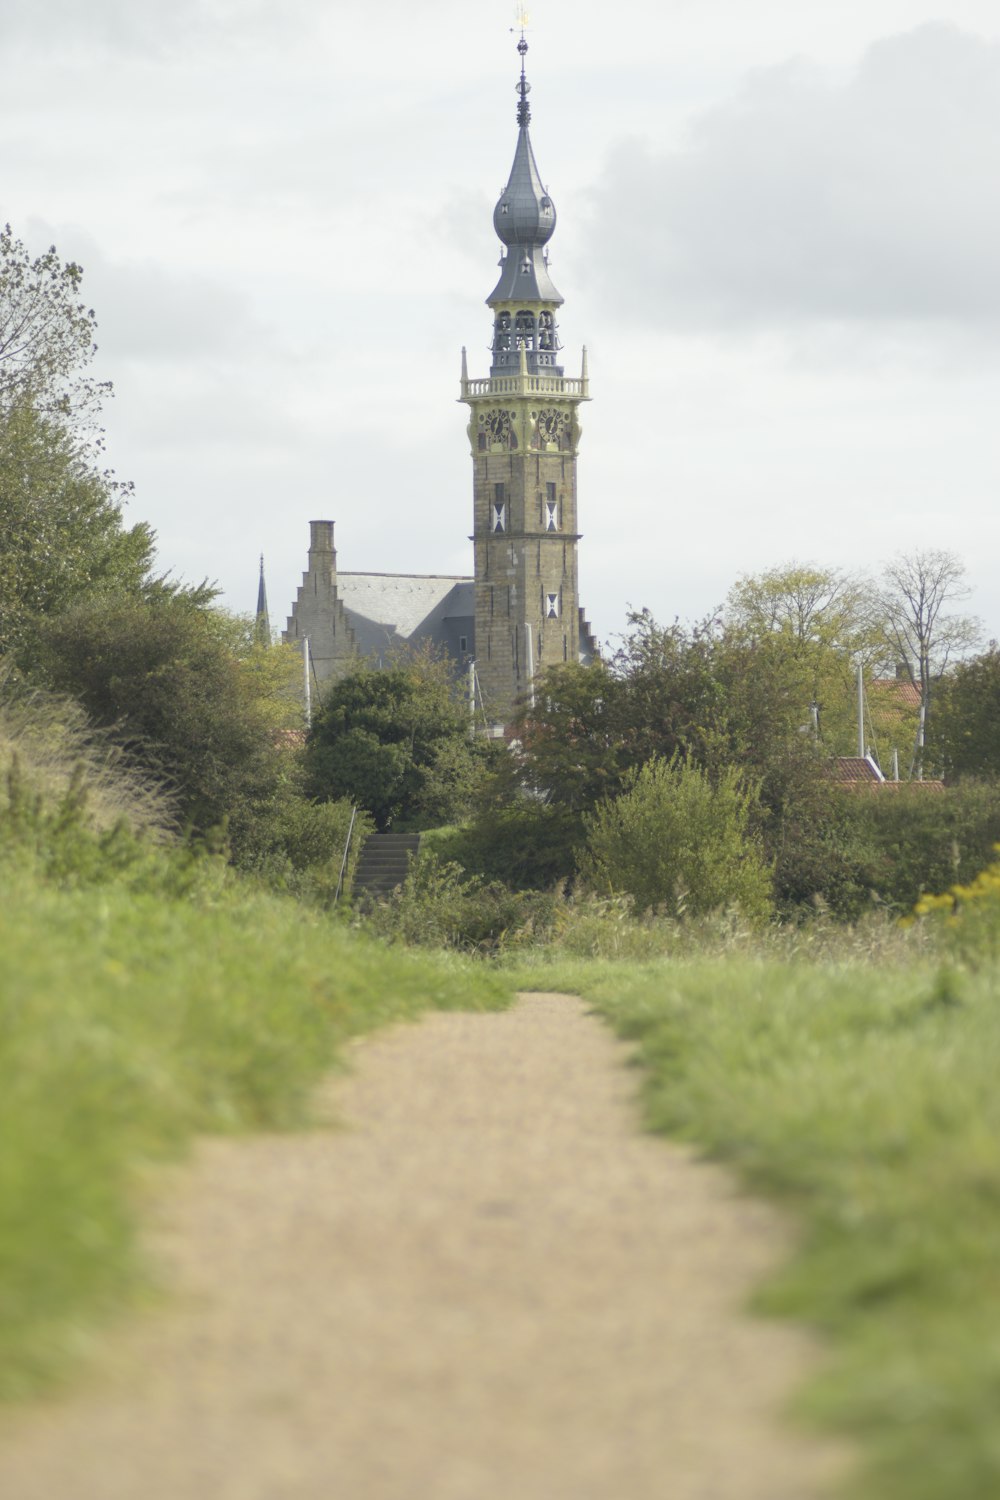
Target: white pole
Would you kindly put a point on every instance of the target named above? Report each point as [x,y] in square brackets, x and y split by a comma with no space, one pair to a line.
[472,699]
[308,684]
[530,664]
[861,712]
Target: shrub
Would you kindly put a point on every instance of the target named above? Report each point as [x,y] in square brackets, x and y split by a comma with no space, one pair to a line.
[440,906]
[297,846]
[677,840]
[968,917]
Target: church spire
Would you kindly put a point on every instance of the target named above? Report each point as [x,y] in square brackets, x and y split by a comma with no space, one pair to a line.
[262,626]
[524,220]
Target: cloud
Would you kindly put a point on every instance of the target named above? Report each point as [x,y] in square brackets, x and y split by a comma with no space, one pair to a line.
[145,27]
[869,199]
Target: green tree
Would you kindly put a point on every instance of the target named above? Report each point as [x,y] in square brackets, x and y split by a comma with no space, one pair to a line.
[966,737]
[62,536]
[825,625]
[680,840]
[46,335]
[396,741]
[187,690]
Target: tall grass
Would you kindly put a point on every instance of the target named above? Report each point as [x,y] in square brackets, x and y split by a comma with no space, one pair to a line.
[52,753]
[863,1097]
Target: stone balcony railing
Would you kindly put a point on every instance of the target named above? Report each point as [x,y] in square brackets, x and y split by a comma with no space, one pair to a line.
[522,384]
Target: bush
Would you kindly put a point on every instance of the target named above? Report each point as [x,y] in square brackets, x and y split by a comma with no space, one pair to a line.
[185,690]
[440,906]
[968,917]
[678,841]
[526,843]
[297,846]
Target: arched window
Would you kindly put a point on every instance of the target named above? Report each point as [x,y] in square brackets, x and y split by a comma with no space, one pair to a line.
[524,330]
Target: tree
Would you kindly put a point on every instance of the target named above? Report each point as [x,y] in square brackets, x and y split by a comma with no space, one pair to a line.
[917,632]
[823,619]
[396,741]
[186,690]
[808,604]
[46,335]
[967,722]
[677,839]
[62,535]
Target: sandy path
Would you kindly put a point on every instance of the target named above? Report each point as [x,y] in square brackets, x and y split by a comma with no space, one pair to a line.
[490,1287]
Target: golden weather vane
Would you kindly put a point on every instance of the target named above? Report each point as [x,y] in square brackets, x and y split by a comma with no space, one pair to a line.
[521,18]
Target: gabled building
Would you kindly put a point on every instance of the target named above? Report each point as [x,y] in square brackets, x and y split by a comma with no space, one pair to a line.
[519,610]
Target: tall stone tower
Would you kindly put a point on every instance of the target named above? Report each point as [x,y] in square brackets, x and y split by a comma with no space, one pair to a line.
[524,433]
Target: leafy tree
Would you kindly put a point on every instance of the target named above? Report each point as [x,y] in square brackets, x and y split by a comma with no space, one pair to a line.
[62,536]
[396,742]
[824,621]
[967,720]
[676,838]
[46,335]
[917,631]
[186,689]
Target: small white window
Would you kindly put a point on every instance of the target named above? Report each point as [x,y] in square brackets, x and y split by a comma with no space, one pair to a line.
[551,515]
[499,516]
[552,606]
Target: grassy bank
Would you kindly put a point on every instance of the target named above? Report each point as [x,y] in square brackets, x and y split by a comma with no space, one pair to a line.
[865,1100]
[130,1021]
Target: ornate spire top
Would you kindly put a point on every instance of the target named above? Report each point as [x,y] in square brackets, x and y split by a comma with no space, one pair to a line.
[523,87]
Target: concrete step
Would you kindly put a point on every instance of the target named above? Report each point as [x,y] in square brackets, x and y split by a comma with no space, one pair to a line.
[384,862]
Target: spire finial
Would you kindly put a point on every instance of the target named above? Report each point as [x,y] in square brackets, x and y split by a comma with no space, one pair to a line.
[523,86]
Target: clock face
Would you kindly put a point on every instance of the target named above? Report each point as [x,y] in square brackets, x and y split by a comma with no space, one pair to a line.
[551,428]
[496,429]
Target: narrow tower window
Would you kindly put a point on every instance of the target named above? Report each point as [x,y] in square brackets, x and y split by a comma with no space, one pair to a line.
[551,515]
[552,606]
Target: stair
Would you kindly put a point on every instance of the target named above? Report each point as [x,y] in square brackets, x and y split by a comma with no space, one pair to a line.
[383,863]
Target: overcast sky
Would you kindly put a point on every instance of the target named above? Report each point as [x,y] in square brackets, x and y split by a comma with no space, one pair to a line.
[779,237]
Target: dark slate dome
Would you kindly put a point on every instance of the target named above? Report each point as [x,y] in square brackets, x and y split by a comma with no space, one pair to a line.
[525,214]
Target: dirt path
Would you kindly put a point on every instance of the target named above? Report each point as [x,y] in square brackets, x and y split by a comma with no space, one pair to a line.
[490,1287]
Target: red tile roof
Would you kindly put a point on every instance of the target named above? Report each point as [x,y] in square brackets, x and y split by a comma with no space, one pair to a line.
[906,693]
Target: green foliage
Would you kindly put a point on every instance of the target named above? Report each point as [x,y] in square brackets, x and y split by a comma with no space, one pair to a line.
[396,741]
[186,689]
[440,906]
[864,1099]
[48,744]
[298,846]
[46,334]
[924,840]
[62,537]
[678,840]
[966,729]
[126,1025]
[526,843]
[968,917]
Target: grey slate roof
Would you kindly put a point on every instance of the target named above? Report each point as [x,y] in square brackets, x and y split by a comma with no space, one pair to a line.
[388,609]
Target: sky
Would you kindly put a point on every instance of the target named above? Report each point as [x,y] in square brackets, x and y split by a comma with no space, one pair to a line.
[778,236]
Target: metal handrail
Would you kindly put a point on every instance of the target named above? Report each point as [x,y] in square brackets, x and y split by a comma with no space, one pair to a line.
[343,862]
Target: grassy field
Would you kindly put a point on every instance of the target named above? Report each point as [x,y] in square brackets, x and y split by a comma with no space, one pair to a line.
[130,1021]
[864,1098]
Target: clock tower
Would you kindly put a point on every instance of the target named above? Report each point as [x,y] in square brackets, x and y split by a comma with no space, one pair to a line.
[524,433]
